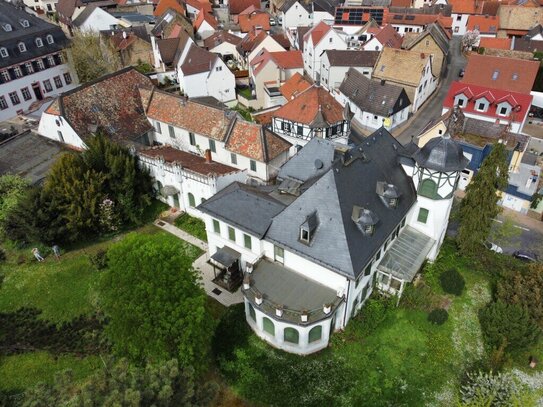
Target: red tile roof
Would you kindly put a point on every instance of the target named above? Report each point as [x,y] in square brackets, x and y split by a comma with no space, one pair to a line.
[191,116]
[283,59]
[389,37]
[294,86]
[401,3]
[254,141]
[509,73]
[188,161]
[317,32]
[484,24]
[112,102]
[237,6]
[256,18]
[251,41]
[496,43]
[310,105]
[494,96]
[206,16]
[164,5]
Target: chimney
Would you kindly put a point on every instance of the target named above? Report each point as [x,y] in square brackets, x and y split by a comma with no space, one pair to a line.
[207,154]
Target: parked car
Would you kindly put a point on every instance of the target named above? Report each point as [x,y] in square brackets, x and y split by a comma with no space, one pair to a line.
[461,73]
[272,21]
[494,247]
[525,255]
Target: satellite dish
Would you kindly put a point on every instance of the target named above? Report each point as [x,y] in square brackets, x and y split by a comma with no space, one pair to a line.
[318,164]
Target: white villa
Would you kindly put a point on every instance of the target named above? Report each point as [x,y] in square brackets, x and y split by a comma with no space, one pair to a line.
[340,222]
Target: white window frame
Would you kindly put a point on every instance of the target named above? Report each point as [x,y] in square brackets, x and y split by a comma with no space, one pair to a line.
[39,42]
[22,47]
[4,52]
[49,39]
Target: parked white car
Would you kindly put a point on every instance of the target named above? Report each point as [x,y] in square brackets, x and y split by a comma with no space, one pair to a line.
[494,247]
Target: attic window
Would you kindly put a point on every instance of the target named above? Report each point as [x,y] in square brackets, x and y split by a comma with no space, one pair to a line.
[364,219]
[22,47]
[49,39]
[7,27]
[3,52]
[24,23]
[388,193]
[39,42]
[495,75]
[307,229]
[515,76]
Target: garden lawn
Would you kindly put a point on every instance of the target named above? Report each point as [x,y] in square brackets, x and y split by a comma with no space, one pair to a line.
[194,226]
[19,372]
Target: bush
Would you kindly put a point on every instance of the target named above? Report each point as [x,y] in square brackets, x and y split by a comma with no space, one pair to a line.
[452,282]
[507,325]
[375,312]
[482,388]
[99,259]
[438,316]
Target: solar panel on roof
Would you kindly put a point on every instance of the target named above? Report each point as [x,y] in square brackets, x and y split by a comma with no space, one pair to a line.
[398,17]
[409,17]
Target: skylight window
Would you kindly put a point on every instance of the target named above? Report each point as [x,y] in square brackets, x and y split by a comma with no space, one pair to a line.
[7,27]
[495,75]
[515,76]
[24,23]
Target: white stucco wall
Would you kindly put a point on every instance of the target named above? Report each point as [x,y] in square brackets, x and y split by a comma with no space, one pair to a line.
[50,126]
[99,20]
[296,16]
[459,23]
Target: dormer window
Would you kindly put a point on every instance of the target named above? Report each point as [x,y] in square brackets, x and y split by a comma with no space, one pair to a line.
[24,23]
[308,228]
[7,27]
[503,109]
[388,193]
[22,47]
[4,52]
[460,100]
[364,219]
[39,42]
[49,39]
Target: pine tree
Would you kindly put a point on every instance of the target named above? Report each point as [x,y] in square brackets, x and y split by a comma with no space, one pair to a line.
[480,204]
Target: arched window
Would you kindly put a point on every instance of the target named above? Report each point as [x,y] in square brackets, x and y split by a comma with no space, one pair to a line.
[192,201]
[291,335]
[428,188]
[49,39]
[4,52]
[315,334]
[39,42]
[22,47]
[252,312]
[268,326]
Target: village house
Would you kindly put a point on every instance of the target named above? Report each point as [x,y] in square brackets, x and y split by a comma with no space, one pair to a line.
[33,65]
[415,23]
[531,42]
[176,6]
[511,74]
[94,19]
[373,103]
[132,45]
[517,20]
[376,38]
[318,39]
[253,43]
[205,24]
[251,19]
[312,113]
[269,70]
[351,19]
[236,7]
[168,54]
[68,11]
[410,69]
[203,73]
[463,9]
[489,104]
[224,44]
[380,210]
[336,63]
[495,43]
[487,26]
[433,41]
[300,13]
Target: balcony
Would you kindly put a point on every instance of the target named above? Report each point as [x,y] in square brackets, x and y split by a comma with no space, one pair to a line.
[288,296]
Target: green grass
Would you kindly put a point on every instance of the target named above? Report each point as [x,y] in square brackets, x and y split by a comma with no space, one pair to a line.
[19,372]
[192,225]
[245,92]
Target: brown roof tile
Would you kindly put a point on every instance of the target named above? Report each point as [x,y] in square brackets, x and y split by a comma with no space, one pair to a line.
[256,18]
[195,117]
[112,102]
[309,105]
[237,6]
[189,161]
[496,43]
[511,74]
[198,60]
[352,58]
[484,24]
[219,37]
[164,5]
[294,86]
[256,142]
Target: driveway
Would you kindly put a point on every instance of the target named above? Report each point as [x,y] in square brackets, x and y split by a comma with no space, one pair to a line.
[432,108]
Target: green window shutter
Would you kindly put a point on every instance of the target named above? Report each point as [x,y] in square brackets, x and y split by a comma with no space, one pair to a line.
[247,241]
[253,165]
[423,215]
[268,326]
[292,335]
[252,312]
[428,188]
[212,145]
[315,334]
[192,201]
[231,234]
[216,226]
[192,139]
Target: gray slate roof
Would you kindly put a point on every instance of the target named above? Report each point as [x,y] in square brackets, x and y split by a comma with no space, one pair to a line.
[338,244]
[441,154]
[352,58]
[303,166]
[9,14]
[373,96]
[244,207]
